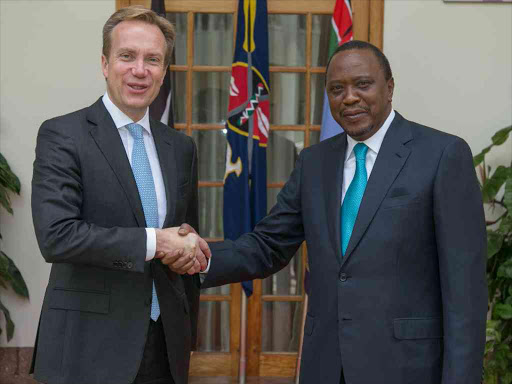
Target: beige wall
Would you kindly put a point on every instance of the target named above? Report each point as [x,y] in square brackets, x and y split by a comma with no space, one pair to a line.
[452,67]
[49,65]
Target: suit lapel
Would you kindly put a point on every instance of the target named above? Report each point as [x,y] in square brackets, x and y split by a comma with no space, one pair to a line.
[391,158]
[333,170]
[166,157]
[106,136]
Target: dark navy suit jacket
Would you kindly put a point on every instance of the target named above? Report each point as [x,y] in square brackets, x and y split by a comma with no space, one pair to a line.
[89,224]
[408,301]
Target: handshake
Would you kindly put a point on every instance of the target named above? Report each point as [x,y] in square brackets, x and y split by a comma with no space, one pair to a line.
[182,250]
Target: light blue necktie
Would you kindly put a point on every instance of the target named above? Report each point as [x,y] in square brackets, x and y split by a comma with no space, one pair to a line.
[353,197]
[146,186]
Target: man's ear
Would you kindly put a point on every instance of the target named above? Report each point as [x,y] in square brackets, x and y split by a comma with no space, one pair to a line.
[104,66]
[391,88]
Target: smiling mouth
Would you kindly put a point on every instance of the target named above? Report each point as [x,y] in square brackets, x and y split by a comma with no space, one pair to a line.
[354,115]
[137,88]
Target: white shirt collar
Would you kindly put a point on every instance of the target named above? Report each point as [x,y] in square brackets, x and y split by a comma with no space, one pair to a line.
[374,143]
[120,118]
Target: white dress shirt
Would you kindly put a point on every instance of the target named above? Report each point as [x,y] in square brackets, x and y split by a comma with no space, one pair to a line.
[121,121]
[373,144]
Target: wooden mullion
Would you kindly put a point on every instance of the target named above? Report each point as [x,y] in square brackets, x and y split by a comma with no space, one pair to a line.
[301,6]
[211,68]
[210,364]
[274,127]
[209,184]
[234,335]
[254,322]
[230,6]
[178,68]
[286,298]
[205,297]
[285,69]
[122,4]
[190,62]
[377,23]
[361,19]
[276,185]
[304,262]
[309,28]
[218,127]
[278,364]
[213,239]
[315,127]
[203,184]
[207,127]
[318,69]
[295,7]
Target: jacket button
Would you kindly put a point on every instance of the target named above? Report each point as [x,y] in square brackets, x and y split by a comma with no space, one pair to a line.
[129,265]
[343,277]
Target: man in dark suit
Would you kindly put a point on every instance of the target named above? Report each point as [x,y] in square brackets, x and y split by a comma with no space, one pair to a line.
[393,220]
[106,179]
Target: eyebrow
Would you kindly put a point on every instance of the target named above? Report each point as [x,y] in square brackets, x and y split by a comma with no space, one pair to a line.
[131,50]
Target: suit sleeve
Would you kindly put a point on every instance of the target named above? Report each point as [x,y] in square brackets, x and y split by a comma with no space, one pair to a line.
[62,233]
[461,245]
[192,282]
[269,248]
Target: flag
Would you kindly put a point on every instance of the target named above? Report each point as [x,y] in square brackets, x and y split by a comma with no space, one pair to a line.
[247,125]
[341,32]
[161,108]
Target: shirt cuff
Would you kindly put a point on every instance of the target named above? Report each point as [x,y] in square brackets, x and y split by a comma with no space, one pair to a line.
[150,243]
[207,267]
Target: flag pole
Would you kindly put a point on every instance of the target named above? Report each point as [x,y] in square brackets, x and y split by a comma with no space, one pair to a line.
[243,339]
[299,354]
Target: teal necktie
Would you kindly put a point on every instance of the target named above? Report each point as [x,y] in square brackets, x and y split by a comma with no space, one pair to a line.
[147,192]
[353,197]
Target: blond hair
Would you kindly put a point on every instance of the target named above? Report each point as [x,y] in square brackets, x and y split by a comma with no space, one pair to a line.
[139,13]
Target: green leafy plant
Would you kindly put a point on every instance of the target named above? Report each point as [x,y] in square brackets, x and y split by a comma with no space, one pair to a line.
[498,351]
[9,273]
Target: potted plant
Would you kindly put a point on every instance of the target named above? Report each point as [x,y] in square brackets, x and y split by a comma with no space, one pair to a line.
[9,273]
[498,351]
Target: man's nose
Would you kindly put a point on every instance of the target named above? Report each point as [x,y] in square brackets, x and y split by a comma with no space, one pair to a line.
[351,96]
[139,68]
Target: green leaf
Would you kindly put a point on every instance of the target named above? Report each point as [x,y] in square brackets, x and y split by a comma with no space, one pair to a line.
[493,184]
[5,201]
[505,225]
[481,156]
[507,378]
[501,136]
[16,280]
[503,310]
[507,197]
[505,270]
[8,322]
[9,273]
[4,261]
[7,177]
[494,243]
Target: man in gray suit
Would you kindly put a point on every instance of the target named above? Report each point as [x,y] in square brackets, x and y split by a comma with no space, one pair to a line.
[393,220]
[106,179]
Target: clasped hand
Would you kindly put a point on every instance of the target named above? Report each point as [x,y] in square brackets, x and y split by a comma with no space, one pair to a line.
[182,250]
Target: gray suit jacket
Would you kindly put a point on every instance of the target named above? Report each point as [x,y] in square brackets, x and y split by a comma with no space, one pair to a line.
[408,301]
[89,224]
